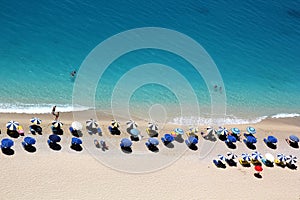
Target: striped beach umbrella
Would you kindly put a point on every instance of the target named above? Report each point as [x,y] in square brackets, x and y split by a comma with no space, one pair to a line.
[231,156]
[92,123]
[222,131]
[35,121]
[131,124]
[221,157]
[210,130]
[246,157]
[251,130]
[256,155]
[281,157]
[235,131]
[12,125]
[115,123]
[178,131]
[57,124]
[153,126]
[76,125]
[291,160]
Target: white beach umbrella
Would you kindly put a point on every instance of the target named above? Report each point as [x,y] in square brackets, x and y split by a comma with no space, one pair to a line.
[57,124]
[76,125]
[35,121]
[12,125]
[92,123]
[269,157]
[153,126]
[131,124]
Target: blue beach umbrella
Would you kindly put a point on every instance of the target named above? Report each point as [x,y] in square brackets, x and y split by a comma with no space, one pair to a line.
[272,139]
[76,140]
[294,138]
[7,143]
[54,138]
[178,131]
[125,142]
[246,157]
[251,130]
[168,137]
[281,157]
[231,138]
[256,155]
[12,125]
[35,121]
[231,156]
[29,140]
[153,141]
[193,140]
[235,131]
[251,139]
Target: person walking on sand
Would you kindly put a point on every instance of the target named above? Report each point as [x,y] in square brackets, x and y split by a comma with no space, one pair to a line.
[56,114]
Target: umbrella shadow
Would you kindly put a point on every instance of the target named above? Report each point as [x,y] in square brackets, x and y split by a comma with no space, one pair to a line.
[153,148]
[76,147]
[134,139]
[249,145]
[210,137]
[54,146]
[170,145]
[292,144]
[13,134]
[153,133]
[291,166]
[271,145]
[8,151]
[77,133]
[30,148]
[114,131]
[258,175]
[231,162]
[222,137]
[57,131]
[193,147]
[219,164]
[179,139]
[126,150]
[230,145]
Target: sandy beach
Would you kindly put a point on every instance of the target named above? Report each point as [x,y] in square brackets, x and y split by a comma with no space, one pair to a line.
[177,173]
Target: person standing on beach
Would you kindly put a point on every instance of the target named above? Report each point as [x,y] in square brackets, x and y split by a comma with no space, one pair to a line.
[56,114]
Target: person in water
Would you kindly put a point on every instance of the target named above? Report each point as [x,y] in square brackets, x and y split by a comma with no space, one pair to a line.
[73,73]
[56,114]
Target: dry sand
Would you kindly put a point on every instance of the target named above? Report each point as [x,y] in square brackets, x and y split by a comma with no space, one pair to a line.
[177,173]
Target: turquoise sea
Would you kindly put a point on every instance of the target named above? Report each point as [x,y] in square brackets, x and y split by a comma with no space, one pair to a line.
[254,43]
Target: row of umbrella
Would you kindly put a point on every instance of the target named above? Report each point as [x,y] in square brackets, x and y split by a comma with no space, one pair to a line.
[225,131]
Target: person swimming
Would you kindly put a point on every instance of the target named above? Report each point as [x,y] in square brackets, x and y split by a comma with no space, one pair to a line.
[73,73]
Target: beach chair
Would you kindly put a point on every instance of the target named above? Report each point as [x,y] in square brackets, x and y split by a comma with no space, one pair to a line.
[244,163]
[20,130]
[151,133]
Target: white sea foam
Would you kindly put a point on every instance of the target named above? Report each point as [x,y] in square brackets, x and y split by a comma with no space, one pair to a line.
[285,115]
[38,108]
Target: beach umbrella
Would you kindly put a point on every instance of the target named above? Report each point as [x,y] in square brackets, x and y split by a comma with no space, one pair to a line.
[256,155]
[54,138]
[153,141]
[269,157]
[76,125]
[231,156]
[35,121]
[134,132]
[168,137]
[246,157]
[29,140]
[251,130]
[153,126]
[231,138]
[12,125]
[115,123]
[222,131]
[258,168]
[281,157]
[125,142]
[57,124]
[178,131]
[193,129]
[92,123]
[251,139]
[131,124]
[221,157]
[76,140]
[235,131]
[272,139]
[292,159]
[294,138]
[192,140]
[7,143]
[210,130]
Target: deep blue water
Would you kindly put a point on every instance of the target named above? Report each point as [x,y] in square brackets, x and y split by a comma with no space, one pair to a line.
[255,45]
